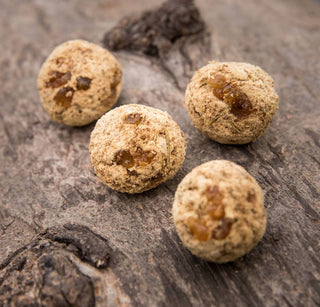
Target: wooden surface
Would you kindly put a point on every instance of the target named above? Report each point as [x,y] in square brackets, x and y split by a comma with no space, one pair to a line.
[46,180]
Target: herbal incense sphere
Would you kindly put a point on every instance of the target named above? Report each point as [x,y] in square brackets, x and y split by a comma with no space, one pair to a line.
[134,148]
[219,211]
[231,103]
[79,82]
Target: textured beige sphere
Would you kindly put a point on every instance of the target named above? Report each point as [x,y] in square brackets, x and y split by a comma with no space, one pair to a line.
[231,103]
[219,212]
[79,82]
[134,148]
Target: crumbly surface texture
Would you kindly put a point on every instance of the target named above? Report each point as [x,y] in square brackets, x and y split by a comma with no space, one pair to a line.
[79,82]
[135,148]
[219,211]
[230,102]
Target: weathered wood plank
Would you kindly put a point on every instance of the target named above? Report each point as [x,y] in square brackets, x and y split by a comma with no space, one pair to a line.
[46,179]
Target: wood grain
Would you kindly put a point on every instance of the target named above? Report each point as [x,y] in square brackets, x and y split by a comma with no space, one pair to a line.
[46,179]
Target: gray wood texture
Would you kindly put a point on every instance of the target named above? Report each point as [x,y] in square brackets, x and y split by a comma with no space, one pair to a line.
[46,180]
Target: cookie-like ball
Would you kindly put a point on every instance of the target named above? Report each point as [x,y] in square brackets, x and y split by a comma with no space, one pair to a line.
[134,148]
[79,82]
[231,103]
[219,212]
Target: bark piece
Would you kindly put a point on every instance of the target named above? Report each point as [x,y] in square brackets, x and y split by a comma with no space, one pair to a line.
[169,33]
[154,32]
[43,272]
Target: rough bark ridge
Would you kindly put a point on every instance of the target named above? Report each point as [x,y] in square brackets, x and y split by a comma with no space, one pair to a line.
[154,32]
[167,33]
[44,273]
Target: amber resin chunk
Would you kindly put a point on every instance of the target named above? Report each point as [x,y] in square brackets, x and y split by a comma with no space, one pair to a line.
[198,229]
[133,118]
[58,79]
[139,158]
[83,83]
[124,158]
[218,85]
[64,96]
[239,102]
[215,207]
[143,158]
[223,229]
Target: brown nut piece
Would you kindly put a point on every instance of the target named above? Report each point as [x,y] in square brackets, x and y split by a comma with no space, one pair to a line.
[231,103]
[219,211]
[134,148]
[79,82]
